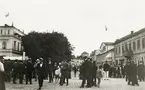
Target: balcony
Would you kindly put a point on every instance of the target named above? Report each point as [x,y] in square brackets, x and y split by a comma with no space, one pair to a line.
[17,52]
[15,36]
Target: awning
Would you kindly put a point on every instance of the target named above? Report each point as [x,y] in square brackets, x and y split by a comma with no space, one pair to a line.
[14,58]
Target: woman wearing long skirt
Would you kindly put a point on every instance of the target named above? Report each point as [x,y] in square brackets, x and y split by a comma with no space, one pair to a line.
[2,81]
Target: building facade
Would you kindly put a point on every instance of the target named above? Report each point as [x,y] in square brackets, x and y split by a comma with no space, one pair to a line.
[10,41]
[132,45]
[106,52]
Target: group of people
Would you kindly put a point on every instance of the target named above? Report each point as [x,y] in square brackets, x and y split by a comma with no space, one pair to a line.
[134,73]
[90,72]
[61,72]
[20,71]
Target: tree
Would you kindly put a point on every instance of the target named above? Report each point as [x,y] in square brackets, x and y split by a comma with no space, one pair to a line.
[47,45]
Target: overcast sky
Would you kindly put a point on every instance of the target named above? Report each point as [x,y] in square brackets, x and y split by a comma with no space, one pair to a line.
[82,21]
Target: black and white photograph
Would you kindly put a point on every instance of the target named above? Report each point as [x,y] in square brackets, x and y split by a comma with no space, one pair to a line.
[72,44]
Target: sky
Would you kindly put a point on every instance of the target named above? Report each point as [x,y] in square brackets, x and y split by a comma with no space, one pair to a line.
[82,21]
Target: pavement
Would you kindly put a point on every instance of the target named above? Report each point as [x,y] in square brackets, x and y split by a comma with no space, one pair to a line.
[111,84]
[75,83]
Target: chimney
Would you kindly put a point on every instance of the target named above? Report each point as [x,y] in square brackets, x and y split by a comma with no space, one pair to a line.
[132,32]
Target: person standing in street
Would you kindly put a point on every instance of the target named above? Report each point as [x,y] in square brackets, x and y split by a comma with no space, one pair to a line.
[106,69]
[141,71]
[134,74]
[50,71]
[126,71]
[29,70]
[40,67]
[2,79]
[64,73]
[99,75]
[94,71]
[86,73]
[15,71]
[21,71]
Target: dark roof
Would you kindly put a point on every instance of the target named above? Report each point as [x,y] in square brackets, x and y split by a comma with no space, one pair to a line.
[5,26]
[108,43]
[8,26]
[129,36]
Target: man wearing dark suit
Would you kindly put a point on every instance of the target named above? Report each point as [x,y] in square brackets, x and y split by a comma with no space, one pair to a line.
[94,71]
[106,69]
[15,71]
[29,70]
[141,71]
[134,74]
[50,71]
[86,73]
[40,68]
[21,72]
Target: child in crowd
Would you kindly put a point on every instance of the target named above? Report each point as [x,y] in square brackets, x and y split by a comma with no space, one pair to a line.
[57,74]
[99,75]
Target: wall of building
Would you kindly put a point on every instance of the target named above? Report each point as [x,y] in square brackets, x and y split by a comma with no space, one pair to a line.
[7,35]
[138,54]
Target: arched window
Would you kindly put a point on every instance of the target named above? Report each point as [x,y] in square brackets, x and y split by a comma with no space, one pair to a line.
[4,45]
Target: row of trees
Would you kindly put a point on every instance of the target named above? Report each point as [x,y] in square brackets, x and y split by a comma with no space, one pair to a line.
[47,45]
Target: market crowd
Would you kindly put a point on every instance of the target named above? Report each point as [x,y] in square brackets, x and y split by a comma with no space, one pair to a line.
[90,73]
[23,72]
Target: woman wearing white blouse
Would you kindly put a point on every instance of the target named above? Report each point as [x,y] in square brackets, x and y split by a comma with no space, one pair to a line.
[2,81]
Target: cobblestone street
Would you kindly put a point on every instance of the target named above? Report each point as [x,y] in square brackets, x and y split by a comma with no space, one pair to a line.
[112,84]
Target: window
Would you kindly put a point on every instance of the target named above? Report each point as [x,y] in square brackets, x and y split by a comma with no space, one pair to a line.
[1,31]
[126,48]
[119,50]
[8,32]
[129,46]
[14,45]
[4,45]
[138,44]
[18,47]
[122,49]
[116,50]
[134,46]
[143,42]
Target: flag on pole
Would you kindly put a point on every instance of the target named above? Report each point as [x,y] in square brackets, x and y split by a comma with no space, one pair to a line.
[106,28]
[7,15]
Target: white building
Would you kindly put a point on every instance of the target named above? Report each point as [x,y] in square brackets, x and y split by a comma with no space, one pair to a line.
[106,52]
[10,41]
[132,45]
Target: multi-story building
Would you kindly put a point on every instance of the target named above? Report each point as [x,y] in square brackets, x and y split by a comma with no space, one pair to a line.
[106,52]
[130,46]
[10,41]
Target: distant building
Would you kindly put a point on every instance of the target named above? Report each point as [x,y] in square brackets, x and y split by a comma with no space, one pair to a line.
[94,53]
[130,46]
[85,54]
[106,52]
[10,41]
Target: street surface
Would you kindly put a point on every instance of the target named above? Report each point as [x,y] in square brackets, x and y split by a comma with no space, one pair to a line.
[74,83]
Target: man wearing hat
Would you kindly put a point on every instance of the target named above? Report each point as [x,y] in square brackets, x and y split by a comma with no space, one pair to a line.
[40,67]
[2,81]
[29,70]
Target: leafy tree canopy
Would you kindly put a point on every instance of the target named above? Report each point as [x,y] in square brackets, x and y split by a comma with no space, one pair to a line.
[47,45]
